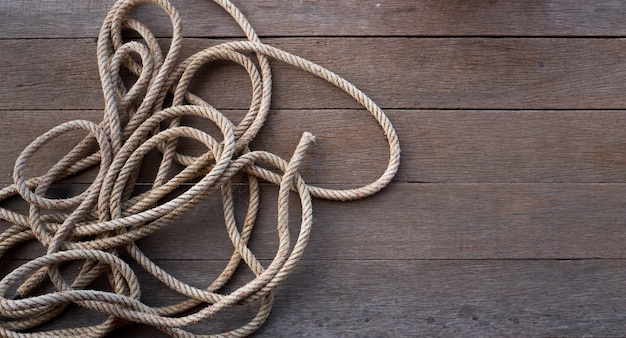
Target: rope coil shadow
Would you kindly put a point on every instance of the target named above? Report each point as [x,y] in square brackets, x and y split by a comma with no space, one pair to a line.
[103,222]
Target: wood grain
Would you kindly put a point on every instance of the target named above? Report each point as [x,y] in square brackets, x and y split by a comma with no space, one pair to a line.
[62,19]
[438,146]
[408,73]
[392,298]
[417,221]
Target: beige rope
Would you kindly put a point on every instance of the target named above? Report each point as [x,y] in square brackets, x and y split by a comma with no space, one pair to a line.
[106,219]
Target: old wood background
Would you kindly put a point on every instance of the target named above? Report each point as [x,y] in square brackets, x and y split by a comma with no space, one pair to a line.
[507,215]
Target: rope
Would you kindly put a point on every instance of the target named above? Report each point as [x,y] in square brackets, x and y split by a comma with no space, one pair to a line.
[100,224]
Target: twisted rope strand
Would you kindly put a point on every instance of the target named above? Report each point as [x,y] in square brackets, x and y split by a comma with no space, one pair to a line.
[103,222]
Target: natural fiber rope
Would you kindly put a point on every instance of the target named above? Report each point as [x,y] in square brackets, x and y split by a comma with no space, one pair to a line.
[106,219]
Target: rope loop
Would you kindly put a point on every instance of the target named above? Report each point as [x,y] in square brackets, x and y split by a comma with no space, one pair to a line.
[98,228]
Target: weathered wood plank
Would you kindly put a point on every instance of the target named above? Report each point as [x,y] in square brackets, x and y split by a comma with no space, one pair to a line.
[438,146]
[477,73]
[446,146]
[419,221]
[450,221]
[464,298]
[379,298]
[62,19]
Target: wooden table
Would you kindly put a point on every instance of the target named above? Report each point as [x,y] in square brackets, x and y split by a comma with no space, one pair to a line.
[507,215]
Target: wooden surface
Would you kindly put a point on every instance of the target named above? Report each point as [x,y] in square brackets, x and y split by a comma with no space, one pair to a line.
[507,215]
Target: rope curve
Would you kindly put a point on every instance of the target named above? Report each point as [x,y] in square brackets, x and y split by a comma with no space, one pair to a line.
[103,222]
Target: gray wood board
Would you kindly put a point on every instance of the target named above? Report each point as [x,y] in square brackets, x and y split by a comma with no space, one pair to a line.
[438,146]
[392,298]
[418,221]
[407,73]
[63,19]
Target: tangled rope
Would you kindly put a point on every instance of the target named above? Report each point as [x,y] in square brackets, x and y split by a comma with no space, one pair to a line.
[100,224]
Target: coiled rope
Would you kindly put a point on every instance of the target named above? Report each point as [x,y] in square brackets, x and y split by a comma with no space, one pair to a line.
[98,225]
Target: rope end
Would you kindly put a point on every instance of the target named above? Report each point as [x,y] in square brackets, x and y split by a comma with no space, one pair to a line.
[308,138]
